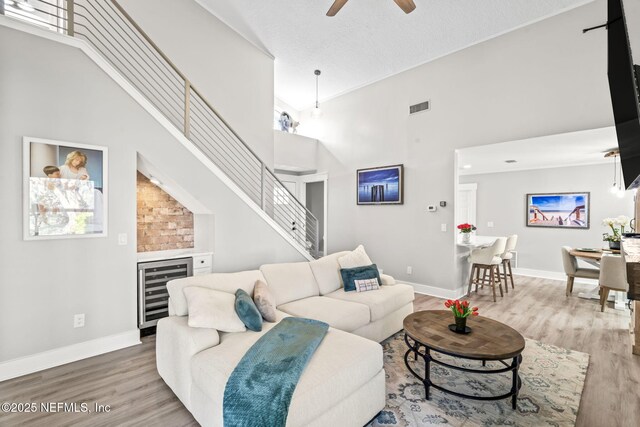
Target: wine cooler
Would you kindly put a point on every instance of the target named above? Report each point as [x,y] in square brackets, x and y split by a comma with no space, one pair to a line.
[153,297]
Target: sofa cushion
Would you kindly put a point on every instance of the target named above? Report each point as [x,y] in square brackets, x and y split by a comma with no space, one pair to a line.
[350,275]
[387,280]
[355,258]
[225,282]
[212,309]
[265,302]
[343,315]
[326,270]
[340,366]
[290,281]
[247,311]
[382,302]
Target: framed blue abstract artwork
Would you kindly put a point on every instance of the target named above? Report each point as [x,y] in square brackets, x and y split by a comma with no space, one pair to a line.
[380,186]
[558,210]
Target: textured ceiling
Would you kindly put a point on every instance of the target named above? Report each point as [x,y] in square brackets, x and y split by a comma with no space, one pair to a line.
[369,39]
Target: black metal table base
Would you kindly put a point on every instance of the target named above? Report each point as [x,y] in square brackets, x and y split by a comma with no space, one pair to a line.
[414,349]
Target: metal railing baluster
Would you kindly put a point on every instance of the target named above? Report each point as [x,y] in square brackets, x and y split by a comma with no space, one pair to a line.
[187,108]
[71,17]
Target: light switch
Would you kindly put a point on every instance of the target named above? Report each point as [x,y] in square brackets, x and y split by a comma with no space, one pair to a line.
[443,227]
[490,224]
[122,239]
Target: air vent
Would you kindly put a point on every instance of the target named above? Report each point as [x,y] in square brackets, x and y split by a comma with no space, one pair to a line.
[423,106]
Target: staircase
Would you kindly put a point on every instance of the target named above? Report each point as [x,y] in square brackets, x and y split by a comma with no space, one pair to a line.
[116,37]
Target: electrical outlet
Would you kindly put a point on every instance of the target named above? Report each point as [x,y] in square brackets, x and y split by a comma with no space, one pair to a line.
[443,227]
[409,270]
[78,320]
[122,239]
[490,224]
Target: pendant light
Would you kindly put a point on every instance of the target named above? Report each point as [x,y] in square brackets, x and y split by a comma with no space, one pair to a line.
[615,189]
[316,112]
[621,189]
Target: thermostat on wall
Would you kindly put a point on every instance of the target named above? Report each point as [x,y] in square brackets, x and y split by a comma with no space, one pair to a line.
[432,208]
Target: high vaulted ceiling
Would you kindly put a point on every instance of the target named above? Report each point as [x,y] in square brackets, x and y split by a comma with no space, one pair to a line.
[369,39]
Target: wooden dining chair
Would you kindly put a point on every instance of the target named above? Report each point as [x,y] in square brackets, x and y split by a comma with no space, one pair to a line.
[571,269]
[487,261]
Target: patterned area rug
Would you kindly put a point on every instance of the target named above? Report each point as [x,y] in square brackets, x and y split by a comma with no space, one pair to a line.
[552,383]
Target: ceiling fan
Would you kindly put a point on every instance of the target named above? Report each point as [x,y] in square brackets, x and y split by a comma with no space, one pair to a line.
[407,5]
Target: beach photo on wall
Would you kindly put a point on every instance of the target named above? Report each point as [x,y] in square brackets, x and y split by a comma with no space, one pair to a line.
[65,189]
[559,210]
[380,186]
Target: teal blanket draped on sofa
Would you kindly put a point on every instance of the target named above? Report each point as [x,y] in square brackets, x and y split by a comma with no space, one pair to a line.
[260,388]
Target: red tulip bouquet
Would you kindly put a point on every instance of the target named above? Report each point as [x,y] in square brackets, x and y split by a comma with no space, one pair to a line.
[461,311]
[466,228]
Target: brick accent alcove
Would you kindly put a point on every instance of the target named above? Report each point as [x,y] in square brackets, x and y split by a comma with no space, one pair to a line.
[163,223]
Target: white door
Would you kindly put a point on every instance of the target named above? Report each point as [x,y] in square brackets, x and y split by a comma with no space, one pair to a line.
[466,204]
[292,186]
[320,211]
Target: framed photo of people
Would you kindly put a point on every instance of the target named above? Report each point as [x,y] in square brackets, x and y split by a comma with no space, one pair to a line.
[65,189]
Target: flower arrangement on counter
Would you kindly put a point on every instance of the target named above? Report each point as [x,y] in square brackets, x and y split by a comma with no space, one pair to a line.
[466,228]
[617,226]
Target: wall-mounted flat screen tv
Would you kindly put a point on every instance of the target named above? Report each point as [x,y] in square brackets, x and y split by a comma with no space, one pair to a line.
[623,85]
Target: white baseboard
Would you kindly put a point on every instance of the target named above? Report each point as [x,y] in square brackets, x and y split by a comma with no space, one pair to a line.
[552,275]
[528,272]
[436,292]
[63,355]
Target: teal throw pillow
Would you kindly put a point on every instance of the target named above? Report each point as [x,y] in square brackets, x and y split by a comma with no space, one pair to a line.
[349,275]
[247,311]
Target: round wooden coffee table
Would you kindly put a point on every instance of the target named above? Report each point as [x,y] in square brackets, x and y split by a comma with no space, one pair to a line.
[489,340]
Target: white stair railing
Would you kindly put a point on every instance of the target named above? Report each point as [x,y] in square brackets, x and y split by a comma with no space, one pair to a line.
[109,29]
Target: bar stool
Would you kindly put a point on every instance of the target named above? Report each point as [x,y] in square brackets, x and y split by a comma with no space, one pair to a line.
[487,261]
[507,256]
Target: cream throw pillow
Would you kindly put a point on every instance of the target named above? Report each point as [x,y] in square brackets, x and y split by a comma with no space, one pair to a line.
[265,301]
[356,258]
[212,309]
[365,285]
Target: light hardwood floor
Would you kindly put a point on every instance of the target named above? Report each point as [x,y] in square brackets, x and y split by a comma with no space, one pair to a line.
[127,379]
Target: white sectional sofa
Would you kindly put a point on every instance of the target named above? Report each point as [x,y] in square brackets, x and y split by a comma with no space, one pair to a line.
[344,382]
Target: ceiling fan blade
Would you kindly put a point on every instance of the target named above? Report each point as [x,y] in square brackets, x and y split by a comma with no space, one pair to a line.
[335,7]
[407,5]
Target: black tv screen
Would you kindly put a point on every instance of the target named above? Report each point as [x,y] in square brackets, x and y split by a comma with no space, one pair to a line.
[623,85]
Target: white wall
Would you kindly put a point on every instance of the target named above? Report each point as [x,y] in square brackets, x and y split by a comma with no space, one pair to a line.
[543,79]
[632,13]
[232,74]
[54,91]
[294,152]
[501,199]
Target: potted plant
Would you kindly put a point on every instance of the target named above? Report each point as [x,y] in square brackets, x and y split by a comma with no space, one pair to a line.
[461,311]
[465,230]
[617,226]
